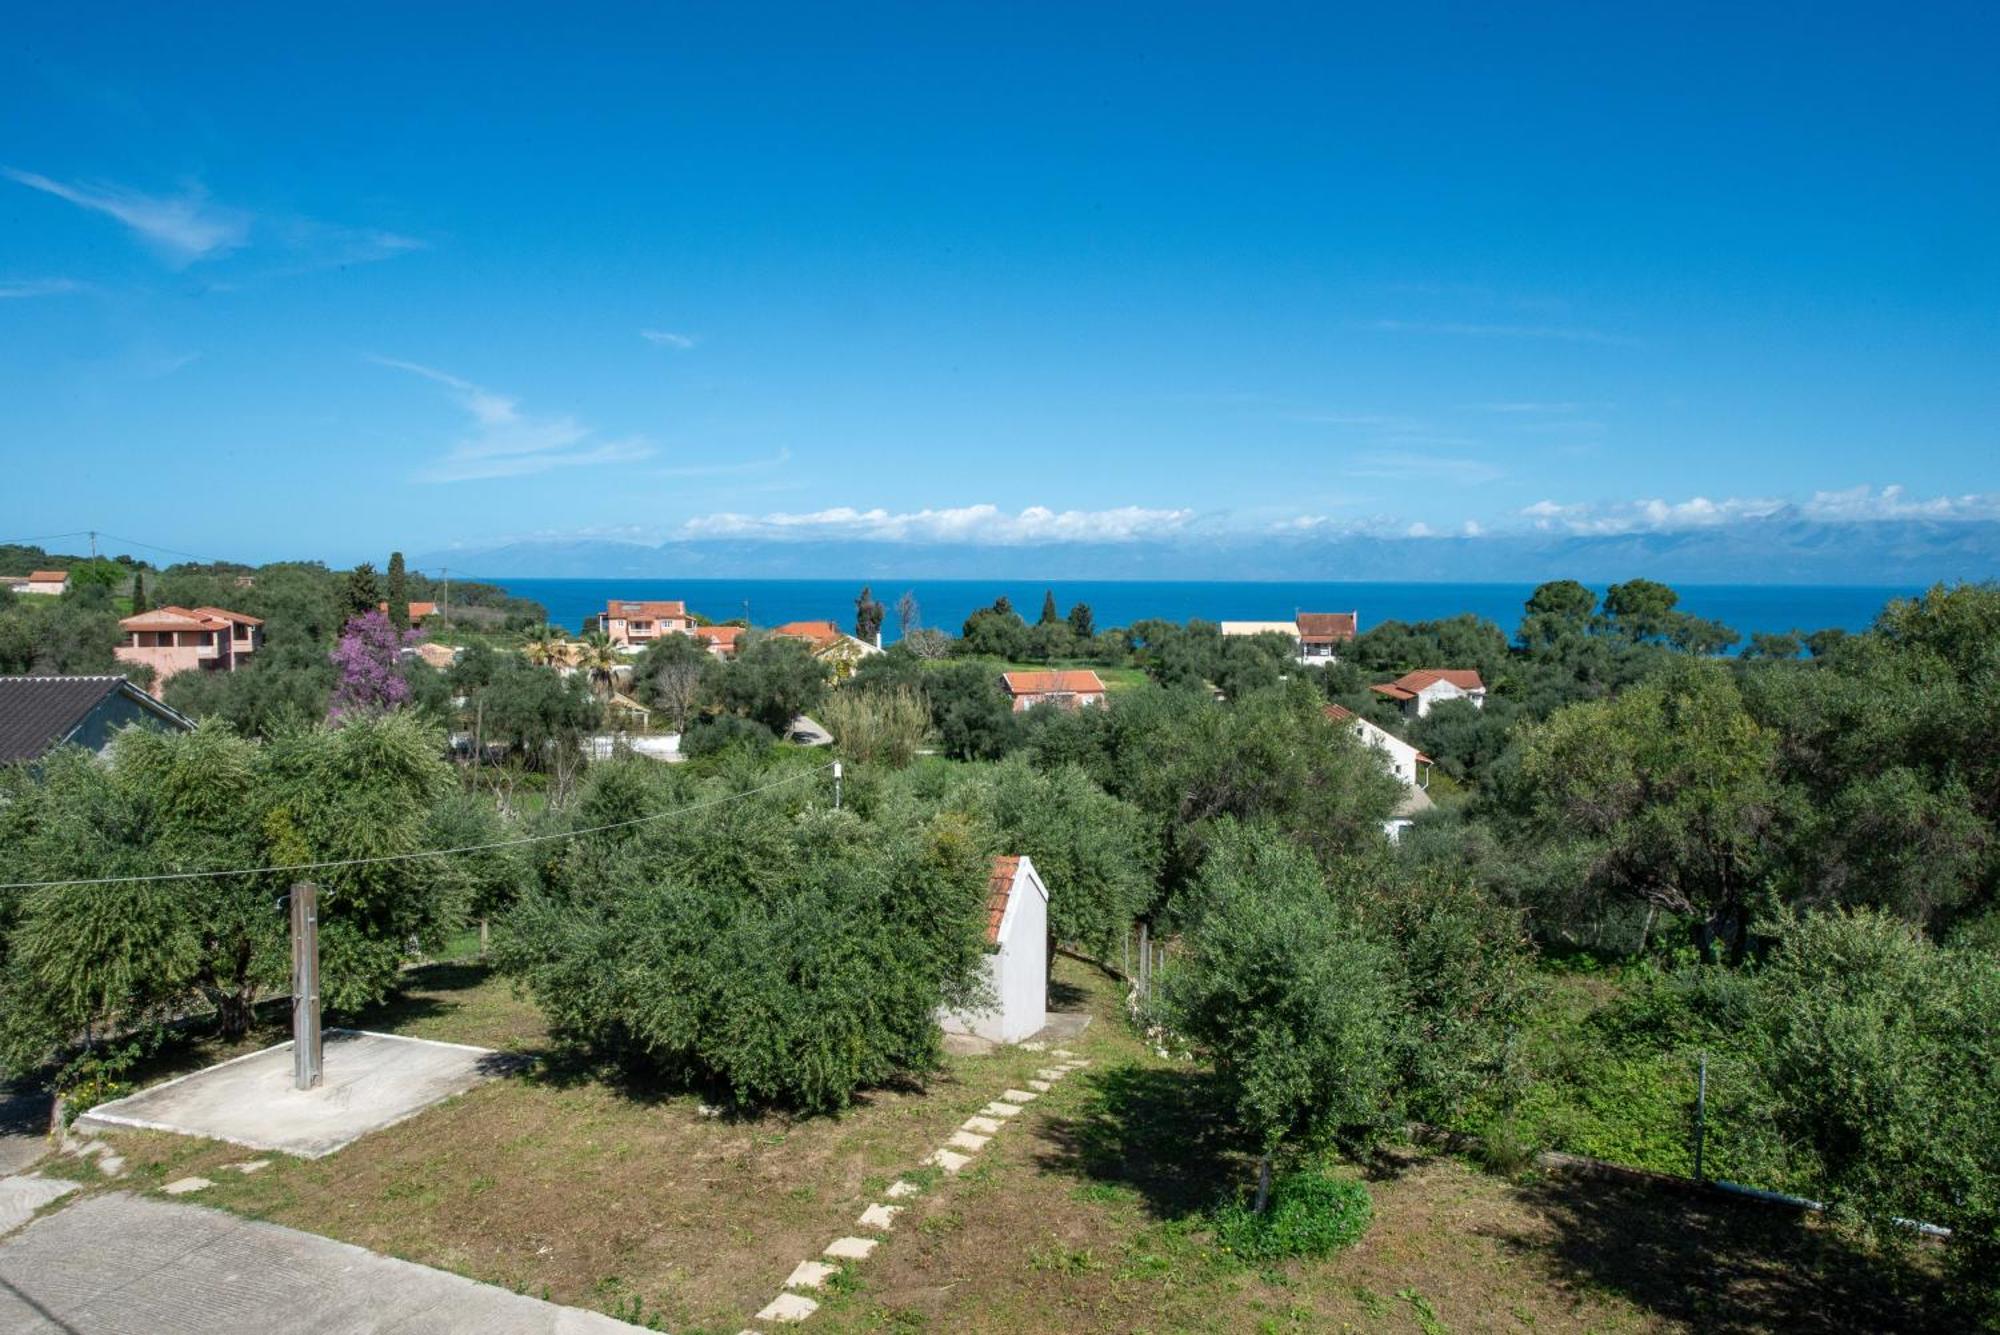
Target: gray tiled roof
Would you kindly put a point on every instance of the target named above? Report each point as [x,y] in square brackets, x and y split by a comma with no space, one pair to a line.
[38,712]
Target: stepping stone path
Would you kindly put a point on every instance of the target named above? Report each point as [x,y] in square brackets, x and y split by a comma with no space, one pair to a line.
[254,1166]
[187,1186]
[957,1151]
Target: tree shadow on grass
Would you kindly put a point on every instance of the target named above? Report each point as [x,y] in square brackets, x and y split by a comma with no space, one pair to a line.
[1159,1132]
[1729,1266]
[1067,996]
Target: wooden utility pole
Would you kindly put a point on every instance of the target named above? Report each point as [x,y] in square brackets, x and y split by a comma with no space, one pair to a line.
[306,1066]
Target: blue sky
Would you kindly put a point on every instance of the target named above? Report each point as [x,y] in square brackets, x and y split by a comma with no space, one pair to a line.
[278,283]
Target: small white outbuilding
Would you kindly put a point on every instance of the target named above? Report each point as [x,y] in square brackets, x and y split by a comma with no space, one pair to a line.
[1017,963]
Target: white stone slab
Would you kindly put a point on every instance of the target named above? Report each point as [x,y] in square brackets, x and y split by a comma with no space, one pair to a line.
[187,1186]
[1061,1052]
[1051,1073]
[899,1189]
[810,1275]
[253,1166]
[1040,1086]
[852,1249]
[371,1081]
[880,1216]
[948,1161]
[965,1140]
[1018,1096]
[985,1126]
[788,1307]
[1033,1045]
[1001,1110]
[21,1196]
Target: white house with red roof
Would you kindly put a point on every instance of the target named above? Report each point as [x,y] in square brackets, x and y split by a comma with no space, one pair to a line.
[722,641]
[1065,689]
[172,640]
[634,623]
[1322,634]
[1410,766]
[1418,691]
[829,643]
[1017,962]
[51,583]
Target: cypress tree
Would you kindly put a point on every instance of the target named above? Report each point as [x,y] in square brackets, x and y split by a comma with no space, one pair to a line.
[363,593]
[1082,623]
[139,603]
[399,593]
[1049,614]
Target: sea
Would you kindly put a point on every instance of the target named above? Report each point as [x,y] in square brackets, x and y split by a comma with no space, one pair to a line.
[946,604]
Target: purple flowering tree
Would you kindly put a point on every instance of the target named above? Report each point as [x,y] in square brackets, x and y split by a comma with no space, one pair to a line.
[371,677]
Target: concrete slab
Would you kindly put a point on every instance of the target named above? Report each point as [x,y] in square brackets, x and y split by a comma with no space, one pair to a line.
[1017,1096]
[948,1161]
[20,1197]
[810,1275]
[121,1263]
[880,1216]
[1061,1026]
[1040,1086]
[983,1126]
[899,1189]
[371,1081]
[966,1140]
[1051,1073]
[852,1249]
[788,1307]
[1001,1110]
[187,1186]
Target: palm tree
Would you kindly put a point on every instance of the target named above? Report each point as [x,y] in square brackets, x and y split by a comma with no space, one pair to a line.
[596,657]
[546,646]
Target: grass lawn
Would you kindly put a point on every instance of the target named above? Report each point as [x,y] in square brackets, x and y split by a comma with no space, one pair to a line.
[1084,1214]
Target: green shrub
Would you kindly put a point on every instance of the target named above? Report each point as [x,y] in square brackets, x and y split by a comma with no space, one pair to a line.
[1311,1213]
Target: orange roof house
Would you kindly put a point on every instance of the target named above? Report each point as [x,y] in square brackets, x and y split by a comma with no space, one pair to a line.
[819,634]
[1066,689]
[418,611]
[172,640]
[1321,633]
[629,622]
[718,640]
[46,581]
[1417,691]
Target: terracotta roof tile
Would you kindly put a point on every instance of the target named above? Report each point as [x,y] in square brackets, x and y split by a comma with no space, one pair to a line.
[999,889]
[622,610]
[48,576]
[1406,686]
[1325,627]
[1068,682]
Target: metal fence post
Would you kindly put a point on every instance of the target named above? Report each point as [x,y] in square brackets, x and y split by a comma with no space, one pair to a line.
[306,1065]
[1700,1117]
[1145,961]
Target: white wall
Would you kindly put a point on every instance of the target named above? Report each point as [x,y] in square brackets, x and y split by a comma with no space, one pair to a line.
[1018,972]
[1402,757]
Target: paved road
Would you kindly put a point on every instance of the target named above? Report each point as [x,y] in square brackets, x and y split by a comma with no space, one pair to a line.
[123,1265]
[24,1128]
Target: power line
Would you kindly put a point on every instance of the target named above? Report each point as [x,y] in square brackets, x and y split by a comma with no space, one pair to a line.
[423,853]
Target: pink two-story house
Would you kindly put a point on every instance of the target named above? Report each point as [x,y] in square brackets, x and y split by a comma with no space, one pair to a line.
[172,640]
[640,623]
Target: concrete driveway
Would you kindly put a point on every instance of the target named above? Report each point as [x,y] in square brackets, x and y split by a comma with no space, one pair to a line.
[126,1264]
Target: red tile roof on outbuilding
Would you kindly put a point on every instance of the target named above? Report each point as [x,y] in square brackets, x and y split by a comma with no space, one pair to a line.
[999,889]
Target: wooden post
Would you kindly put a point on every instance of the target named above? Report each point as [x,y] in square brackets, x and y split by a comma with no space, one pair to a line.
[306,1068]
[1145,962]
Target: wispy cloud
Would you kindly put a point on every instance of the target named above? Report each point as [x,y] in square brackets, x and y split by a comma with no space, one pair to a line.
[667,338]
[747,468]
[976,525]
[189,227]
[506,442]
[1563,333]
[22,289]
[1433,468]
[185,227]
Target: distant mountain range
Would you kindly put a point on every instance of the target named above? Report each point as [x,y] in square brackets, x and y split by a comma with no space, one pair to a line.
[1780,549]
